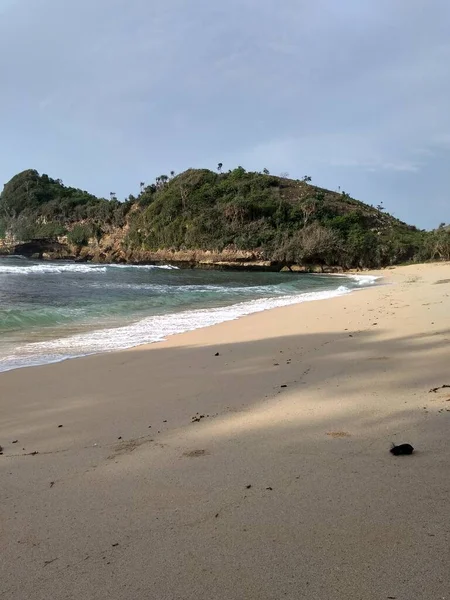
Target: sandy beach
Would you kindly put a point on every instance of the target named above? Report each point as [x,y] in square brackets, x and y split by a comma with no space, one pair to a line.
[263,472]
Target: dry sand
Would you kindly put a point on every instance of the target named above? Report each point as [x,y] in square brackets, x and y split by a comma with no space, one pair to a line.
[285,489]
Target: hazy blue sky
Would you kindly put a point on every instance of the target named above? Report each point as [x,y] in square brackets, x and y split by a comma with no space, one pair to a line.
[356,93]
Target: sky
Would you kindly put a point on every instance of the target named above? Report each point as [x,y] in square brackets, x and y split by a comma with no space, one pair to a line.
[104,94]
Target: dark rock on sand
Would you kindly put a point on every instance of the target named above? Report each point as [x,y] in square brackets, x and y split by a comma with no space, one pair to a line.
[402,449]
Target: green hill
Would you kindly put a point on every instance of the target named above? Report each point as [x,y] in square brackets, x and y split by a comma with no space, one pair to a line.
[255,215]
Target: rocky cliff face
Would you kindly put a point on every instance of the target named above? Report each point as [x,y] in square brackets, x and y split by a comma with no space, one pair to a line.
[38,249]
[110,249]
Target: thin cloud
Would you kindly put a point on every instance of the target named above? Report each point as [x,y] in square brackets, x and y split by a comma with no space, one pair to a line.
[373,166]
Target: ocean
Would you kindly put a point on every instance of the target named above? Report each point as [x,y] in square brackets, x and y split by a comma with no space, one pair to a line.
[51,311]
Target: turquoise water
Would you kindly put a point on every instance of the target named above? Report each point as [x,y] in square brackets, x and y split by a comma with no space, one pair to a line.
[54,310]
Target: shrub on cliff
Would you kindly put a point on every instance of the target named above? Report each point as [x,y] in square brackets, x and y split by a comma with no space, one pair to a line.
[80,235]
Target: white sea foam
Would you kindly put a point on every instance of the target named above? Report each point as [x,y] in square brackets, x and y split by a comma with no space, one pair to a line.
[162,288]
[148,330]
[364,279]
[46,268]
[128,266]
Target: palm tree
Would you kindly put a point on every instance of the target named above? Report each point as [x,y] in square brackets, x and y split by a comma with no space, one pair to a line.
[266,171]
[142,185]
[219,167]
[172,173]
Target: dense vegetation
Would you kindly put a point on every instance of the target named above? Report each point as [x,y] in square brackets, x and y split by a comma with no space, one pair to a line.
[282,220]
[34,206]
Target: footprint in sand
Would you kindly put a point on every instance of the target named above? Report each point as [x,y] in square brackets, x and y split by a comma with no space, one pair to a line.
[195,453]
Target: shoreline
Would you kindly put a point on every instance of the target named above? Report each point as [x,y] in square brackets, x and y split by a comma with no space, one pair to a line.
[249,459]
[189,260]
[181,322]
